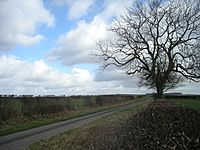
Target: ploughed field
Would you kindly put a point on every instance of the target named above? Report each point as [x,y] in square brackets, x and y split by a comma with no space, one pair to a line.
[161,124]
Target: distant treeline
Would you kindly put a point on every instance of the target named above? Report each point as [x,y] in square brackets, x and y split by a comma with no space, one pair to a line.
[184,96]
[29,106]
[176,96]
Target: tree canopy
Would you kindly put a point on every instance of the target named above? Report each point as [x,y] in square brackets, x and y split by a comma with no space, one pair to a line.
[157,40]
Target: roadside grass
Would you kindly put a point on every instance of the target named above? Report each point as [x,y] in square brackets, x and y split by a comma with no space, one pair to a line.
[192,103]
[85,137]
[20,124]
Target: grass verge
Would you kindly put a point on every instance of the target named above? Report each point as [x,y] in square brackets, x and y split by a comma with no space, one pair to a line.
[21,124]
[88,136]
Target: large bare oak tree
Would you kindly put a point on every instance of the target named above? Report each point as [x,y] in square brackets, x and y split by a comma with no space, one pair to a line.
[157,40]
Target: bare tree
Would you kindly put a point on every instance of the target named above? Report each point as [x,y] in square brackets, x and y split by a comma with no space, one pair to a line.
[159,41]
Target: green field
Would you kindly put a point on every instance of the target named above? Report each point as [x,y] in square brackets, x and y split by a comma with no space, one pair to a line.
[193,103]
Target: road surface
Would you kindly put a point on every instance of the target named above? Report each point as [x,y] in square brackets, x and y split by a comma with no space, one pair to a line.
[20,140]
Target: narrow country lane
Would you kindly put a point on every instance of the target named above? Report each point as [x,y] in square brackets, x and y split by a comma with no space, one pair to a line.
[20,140]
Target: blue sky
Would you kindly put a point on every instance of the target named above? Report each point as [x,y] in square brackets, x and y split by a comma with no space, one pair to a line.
[45,47]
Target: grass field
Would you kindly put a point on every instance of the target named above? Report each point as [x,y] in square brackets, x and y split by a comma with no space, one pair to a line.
[193,103]
[20,124]
[81,138]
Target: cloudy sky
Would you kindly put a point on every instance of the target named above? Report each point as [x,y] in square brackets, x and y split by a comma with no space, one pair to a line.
[45,47]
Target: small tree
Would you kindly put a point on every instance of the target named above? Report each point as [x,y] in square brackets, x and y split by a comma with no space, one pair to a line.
[159,41]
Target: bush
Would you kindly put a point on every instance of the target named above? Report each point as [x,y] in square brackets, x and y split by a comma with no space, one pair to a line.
[163,125]
[160,126]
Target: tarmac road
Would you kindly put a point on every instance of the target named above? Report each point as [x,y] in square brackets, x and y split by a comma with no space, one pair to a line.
[20,140]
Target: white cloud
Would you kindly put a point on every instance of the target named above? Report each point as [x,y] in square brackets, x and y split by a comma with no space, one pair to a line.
[20,21]
[79,8]
[23,77]
[74,46]
[115,8]
[76,8]
[188,88]
[118,76]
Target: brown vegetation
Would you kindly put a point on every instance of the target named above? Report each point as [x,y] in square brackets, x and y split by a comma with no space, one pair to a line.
[162,125]
[31,107]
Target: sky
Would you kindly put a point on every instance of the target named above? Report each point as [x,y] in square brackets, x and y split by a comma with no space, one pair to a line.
[46,46]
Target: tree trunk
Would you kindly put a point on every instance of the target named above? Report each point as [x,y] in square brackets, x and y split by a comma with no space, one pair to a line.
[159,92]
